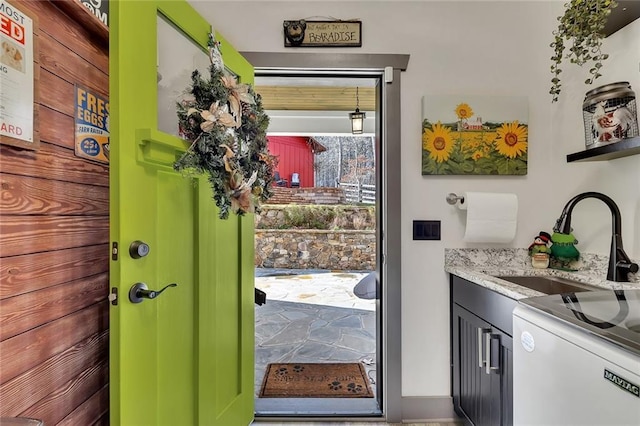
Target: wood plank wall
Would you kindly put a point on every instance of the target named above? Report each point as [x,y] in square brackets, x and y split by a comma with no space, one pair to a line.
[54,235]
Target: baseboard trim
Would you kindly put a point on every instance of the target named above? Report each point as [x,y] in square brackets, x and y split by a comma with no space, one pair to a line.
[428,409]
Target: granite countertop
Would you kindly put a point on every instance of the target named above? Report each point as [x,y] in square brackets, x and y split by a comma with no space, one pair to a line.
[482,266]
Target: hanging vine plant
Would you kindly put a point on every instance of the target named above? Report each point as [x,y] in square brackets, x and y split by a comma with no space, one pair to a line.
[581,31]
[226,125]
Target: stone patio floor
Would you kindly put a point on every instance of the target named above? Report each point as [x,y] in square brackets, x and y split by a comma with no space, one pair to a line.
[313,316]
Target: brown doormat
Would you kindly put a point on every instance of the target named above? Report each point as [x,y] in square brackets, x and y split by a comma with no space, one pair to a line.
[315,380]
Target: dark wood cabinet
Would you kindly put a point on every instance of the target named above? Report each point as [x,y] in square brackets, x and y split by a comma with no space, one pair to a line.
[482,354]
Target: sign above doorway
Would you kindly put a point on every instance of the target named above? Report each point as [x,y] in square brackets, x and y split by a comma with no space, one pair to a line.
[336,33]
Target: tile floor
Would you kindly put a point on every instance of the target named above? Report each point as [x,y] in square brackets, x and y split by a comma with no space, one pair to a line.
[313,316]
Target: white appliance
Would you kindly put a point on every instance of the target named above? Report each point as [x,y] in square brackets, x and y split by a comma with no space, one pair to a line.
[576,359]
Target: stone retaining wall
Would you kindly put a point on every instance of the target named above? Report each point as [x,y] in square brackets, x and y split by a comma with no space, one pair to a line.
[346,216]
[315,249]
[311,195]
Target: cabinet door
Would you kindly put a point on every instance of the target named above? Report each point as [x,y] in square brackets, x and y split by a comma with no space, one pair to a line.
[506,376]
[482,384]
[499,370]
[470,388]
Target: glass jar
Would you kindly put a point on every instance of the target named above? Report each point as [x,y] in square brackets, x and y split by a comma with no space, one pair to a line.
[609,114]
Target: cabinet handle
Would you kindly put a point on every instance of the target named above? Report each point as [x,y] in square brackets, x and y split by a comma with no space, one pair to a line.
[489,337]
[481,331]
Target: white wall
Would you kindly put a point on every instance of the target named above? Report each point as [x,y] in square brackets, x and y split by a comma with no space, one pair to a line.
[477,47]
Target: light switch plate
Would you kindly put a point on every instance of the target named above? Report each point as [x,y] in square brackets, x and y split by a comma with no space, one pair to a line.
[426,230]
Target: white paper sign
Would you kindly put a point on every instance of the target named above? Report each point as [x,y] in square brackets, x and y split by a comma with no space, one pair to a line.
[16,73]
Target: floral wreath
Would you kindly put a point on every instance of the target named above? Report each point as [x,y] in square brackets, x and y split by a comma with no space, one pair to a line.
[226,125]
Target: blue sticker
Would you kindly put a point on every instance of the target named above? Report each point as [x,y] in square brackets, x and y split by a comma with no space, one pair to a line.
[90,146]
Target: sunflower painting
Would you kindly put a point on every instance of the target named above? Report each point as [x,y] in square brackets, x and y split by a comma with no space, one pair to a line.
[474,135]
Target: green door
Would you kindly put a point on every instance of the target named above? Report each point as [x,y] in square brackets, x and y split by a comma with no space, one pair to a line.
[186,356]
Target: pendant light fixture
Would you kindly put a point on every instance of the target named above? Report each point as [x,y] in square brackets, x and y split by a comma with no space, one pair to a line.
[357,118]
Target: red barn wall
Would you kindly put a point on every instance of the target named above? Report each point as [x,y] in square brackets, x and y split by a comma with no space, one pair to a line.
[294,156]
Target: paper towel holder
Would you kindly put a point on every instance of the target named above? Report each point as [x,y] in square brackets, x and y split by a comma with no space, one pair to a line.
[453,198]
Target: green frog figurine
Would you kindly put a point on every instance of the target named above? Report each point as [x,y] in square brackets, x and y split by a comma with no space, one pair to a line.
[564,254]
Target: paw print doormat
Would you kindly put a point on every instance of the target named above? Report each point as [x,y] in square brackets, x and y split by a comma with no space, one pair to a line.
[315,380]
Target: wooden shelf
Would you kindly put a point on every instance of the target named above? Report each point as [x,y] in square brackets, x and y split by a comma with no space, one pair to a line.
[624,148]
[626,12]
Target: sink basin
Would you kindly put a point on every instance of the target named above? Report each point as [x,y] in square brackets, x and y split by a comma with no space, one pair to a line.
[549,285]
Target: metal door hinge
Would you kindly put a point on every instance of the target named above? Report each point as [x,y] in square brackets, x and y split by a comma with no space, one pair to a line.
[113,296]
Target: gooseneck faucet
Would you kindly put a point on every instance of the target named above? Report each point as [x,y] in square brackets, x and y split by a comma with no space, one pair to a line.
[619,263]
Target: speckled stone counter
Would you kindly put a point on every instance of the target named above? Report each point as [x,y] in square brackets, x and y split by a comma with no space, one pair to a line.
[482,266]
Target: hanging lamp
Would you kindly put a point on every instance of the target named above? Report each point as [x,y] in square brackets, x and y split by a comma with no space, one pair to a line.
[357,118]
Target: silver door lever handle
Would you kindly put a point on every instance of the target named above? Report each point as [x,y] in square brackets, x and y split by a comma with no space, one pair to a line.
[140,291]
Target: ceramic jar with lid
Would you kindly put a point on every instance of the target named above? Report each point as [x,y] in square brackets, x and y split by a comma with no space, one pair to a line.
[609,114]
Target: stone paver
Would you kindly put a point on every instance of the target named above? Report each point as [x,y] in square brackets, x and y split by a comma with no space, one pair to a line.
[319,288]
[313,317]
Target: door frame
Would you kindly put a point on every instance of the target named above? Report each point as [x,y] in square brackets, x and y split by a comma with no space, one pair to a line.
[389,66]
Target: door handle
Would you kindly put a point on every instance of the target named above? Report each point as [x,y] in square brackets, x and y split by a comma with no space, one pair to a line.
[481,331]
[490,338]
[140,291]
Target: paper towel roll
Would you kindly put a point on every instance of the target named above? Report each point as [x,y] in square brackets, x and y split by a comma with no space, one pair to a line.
[491,217]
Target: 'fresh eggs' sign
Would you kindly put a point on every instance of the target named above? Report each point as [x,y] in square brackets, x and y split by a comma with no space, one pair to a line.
[92,125]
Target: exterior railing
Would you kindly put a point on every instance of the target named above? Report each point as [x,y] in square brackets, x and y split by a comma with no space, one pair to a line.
[358,193]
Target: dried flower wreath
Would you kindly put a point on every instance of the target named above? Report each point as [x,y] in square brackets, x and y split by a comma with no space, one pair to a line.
[226,125]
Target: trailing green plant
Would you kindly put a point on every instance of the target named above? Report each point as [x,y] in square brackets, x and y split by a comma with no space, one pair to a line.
[580,29]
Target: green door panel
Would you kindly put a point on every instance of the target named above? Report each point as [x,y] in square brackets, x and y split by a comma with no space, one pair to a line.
[187,356]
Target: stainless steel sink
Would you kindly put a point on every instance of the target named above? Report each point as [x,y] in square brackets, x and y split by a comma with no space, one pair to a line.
[549,285]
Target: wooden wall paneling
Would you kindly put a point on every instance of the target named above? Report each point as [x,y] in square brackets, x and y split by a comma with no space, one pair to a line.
[31,272]
[30,234]
[53,162]
[26,311]
[25,351]
[20,393]
[79,14]
[72,394]
[35,195]
[57,128]
[74,35]
[53,308]
[94,411]
[67,64]
[57,93]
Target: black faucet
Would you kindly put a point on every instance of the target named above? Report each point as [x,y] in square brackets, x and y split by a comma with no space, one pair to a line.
[619,263]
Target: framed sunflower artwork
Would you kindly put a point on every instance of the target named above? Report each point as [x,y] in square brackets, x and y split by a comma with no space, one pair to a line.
[475,135]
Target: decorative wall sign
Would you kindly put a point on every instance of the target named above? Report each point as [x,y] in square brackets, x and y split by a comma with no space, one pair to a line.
[92,125]
[474,135]
[302,33]
[99,8]
[16,78]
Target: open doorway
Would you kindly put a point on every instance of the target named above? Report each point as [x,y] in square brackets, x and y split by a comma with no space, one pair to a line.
[323,307]
[387,68]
